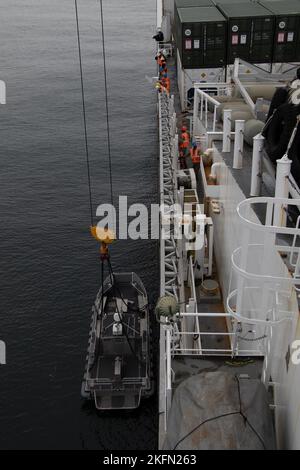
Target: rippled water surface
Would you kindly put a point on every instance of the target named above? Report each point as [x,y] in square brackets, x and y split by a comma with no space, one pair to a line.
[49,263]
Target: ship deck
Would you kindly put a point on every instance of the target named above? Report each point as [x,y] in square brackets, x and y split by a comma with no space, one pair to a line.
[187,365]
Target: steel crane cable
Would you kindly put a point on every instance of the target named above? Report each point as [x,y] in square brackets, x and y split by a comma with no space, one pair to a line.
[106,99]
[84,114]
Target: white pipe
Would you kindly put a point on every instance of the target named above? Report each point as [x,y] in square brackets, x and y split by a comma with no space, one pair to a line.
[256,174]
[238,144]
[159,13]
[215,118]
[281,189]
[226,130]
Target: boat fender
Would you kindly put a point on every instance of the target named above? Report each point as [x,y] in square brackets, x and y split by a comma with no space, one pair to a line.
[252,128]
[279,130]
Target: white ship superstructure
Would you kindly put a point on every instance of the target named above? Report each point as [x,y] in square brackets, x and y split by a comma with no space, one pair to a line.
[237,296]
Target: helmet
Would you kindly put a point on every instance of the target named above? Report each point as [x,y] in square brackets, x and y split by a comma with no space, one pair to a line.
[184,128]
[194,144]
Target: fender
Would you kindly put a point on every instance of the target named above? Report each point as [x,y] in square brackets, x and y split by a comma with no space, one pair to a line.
[279,130]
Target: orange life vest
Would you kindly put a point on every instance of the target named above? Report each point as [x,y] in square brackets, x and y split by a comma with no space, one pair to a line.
[195,155]
[162,87]
[166,82]
[185,140]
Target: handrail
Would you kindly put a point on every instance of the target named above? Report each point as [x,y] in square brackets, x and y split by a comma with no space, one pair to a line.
[252,321]
[271,204]
[259,277]
[208,97]
[177,350]
[203,98]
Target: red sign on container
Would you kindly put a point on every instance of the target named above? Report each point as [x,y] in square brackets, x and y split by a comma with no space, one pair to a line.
[235,39]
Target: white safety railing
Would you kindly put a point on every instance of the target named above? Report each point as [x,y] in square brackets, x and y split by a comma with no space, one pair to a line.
[264,282]
[203,96]
[167,47]
[186,343]
[285,184]
[265,278]
[201,120]
[202,99]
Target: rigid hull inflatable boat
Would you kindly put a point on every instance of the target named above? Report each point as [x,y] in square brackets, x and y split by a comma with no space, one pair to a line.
[118,370]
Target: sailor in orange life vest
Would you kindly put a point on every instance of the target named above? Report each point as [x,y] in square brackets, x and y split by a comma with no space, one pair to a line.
[184,144]
[166,82]
[160,86]
[160,59]
[195,156]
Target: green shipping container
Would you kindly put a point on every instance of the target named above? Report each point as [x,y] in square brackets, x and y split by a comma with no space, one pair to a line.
[226,2]
[189,4]
[200,34]
[287,29]
[193,3]
[250,32]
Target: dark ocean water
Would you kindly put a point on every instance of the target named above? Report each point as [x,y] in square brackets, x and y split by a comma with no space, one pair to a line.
[49,262]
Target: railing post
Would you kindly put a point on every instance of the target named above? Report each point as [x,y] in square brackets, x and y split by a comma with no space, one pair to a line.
[281,189]
[215,118]
[196,111]
[226,130]
[171,106]
[256,174]
[238,144]
[201,107]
